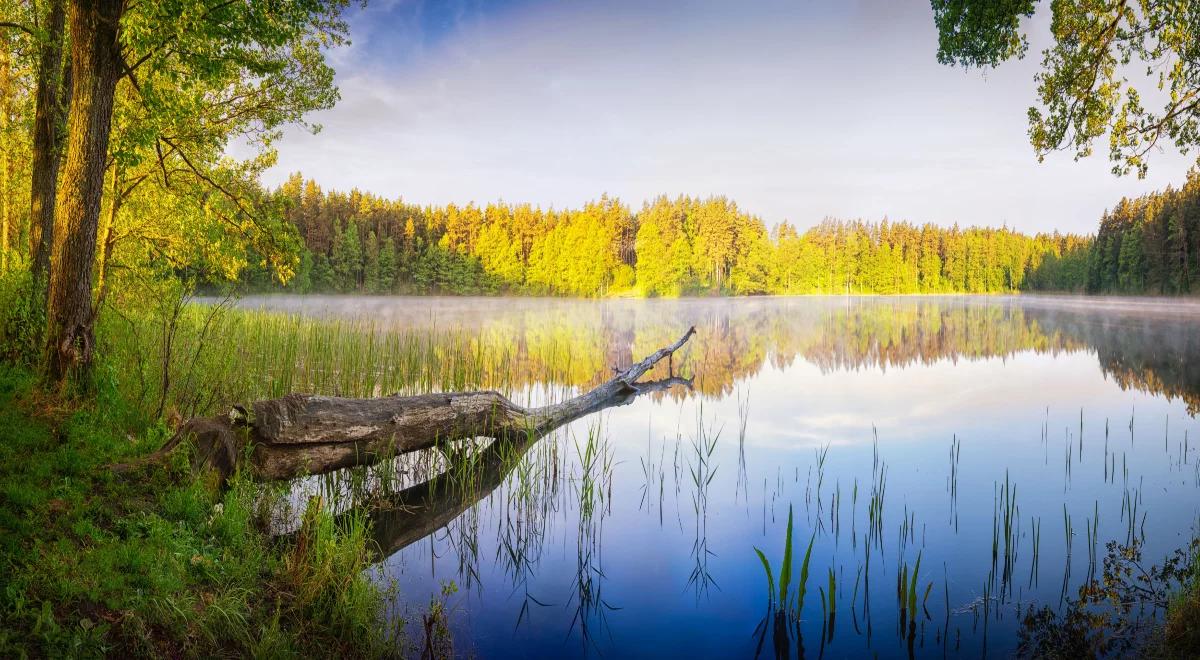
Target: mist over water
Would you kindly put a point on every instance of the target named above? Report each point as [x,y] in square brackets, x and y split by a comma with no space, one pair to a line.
[895,428]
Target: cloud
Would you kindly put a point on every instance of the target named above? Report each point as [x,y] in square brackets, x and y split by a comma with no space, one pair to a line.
[796,110]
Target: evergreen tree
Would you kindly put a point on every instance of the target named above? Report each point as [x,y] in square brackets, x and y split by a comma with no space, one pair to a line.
[663,253]
[302,281]
[371,264]
[387,266]
[500,253]
[323,278]
[347,259]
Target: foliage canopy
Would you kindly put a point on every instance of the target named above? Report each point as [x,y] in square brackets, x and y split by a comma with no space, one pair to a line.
[1126,68]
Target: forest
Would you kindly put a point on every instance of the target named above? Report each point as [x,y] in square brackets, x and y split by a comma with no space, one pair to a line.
[1149,244]
[359,243]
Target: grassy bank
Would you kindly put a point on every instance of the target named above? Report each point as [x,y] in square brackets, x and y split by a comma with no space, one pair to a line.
[156,563]
[1181,634]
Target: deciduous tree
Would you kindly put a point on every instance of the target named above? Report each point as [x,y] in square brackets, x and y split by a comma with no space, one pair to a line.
[1110,62]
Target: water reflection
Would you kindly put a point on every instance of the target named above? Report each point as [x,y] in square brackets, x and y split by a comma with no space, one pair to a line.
[1148,346]
[958,466]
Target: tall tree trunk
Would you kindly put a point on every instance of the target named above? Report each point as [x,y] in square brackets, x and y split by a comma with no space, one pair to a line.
[6,211]
[95,68]
[6,93]
[48,118]
[104,241]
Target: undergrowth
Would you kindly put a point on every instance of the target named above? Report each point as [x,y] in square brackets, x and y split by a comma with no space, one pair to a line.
[155,562]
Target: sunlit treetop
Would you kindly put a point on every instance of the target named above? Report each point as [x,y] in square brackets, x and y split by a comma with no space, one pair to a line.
[198,75]
[1126,68]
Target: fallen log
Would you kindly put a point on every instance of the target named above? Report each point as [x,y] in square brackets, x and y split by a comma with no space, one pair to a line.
[405,517]
[304,434]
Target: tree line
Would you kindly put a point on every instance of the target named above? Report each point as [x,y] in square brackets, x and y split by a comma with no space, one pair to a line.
[1150,244]
[359,242]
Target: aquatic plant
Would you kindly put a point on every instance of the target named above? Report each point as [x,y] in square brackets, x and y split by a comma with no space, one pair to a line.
[785,605]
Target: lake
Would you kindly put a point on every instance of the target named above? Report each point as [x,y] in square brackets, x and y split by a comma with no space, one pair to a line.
[982,451]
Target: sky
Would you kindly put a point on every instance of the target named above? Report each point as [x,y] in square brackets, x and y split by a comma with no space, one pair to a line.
[797,110]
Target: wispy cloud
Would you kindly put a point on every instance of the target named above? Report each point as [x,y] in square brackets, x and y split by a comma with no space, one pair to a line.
[797,110]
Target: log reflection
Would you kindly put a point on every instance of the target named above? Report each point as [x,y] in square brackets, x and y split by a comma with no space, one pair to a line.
[409,515]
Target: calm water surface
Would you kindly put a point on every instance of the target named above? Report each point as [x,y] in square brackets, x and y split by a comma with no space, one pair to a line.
[927,407]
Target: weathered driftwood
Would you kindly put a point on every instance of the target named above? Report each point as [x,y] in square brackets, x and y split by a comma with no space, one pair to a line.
[301,434]
[407,516]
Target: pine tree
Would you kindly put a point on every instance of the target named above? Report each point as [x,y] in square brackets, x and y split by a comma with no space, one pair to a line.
[684,245]
[387,266]
[663,252]
[371,264]
[347,259]
[301,282]
[500,254]
[323,279]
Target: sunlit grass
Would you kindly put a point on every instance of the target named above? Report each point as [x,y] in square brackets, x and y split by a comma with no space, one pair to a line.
[215,356]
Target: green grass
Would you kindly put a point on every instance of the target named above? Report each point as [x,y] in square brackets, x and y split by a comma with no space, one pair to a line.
[216,355]
[155,562]
[1181,634]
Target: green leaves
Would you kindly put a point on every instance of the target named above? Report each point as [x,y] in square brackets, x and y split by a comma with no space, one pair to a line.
[803,587]
[912,586]
[200,75]
[980,33]
[785,571]
[770,576]
[1104,54]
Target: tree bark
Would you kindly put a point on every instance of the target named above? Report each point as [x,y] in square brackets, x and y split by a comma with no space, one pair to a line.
[104,240]
[95,67]
[47,126]
[303,434]
[6,94]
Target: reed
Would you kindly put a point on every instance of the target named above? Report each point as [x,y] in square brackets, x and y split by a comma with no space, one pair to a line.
[702,470]
[786,605]
[829,605]
[197,359]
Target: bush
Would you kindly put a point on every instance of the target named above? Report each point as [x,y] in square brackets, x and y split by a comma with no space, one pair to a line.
[22,318]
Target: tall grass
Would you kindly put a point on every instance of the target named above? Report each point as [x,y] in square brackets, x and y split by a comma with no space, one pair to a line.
[325,573]
[190,359]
